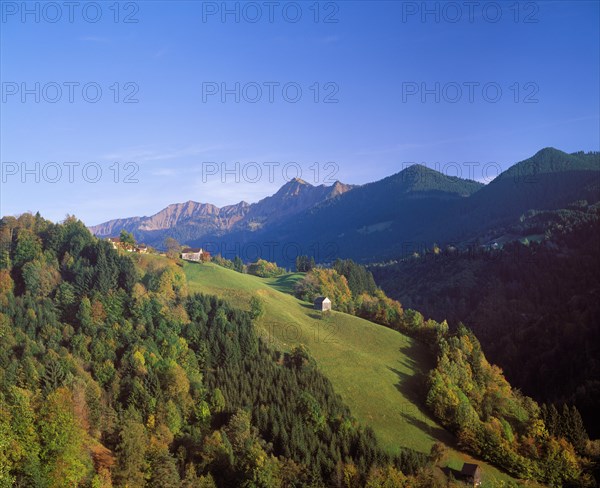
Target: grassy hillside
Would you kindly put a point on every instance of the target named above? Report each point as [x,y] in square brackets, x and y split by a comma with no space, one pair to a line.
[377,371]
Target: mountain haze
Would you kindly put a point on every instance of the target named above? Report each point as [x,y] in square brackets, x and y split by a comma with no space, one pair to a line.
[192,220]
[418,207]
[386,219]
[177,214]
[365,222]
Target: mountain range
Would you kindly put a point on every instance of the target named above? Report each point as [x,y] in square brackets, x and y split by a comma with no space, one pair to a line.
[382,220]
[192,220]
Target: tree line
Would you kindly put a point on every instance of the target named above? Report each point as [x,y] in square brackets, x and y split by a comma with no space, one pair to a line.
[113,375]
[534,305]
[466,393]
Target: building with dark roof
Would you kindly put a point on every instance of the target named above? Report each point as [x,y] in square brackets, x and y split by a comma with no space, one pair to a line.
[471,473]
[322,304]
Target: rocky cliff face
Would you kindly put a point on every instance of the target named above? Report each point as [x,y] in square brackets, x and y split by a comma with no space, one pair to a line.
[176,214]
[292,198]
[192,220]
[417,206]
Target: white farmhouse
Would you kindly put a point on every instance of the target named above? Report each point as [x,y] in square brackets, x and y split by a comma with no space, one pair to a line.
[192,254]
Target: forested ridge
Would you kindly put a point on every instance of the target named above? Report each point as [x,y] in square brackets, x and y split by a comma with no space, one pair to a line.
[112,375]
[419,205]
[533,304]
[472,398]
[466,393]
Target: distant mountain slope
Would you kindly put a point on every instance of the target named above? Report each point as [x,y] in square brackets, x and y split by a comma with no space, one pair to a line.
[378,221]
[418,207]
[551,179]
[178,214]
[372,220]
[193,220]
[292,198]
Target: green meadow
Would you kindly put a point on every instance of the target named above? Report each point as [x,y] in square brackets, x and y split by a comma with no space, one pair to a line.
[378,372]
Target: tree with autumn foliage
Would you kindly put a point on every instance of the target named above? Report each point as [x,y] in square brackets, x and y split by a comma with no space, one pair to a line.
[329,283]
[64,457]
[472,398]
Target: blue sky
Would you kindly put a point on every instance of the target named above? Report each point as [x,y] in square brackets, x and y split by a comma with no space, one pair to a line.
[370,61]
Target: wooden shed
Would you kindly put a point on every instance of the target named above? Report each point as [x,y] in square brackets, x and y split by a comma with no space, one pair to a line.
[322,304]
[471,473]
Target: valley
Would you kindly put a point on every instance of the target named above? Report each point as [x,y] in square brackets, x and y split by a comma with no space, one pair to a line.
[318,244]
[378,372]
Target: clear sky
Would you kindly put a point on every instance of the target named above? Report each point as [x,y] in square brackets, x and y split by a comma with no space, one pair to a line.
[373,59]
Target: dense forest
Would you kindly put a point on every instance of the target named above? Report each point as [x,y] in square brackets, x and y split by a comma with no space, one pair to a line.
[112,375]
[466,393]
[535,305]
[473,399]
